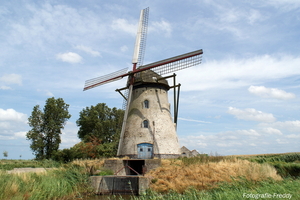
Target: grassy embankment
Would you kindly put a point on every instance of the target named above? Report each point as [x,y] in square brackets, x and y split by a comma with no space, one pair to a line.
[218,177]
[203,177]
[287,165]
[62,181]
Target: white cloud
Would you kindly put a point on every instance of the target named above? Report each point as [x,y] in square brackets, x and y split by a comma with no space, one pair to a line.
[11,79]
[250,132]
[162,26]
[88,50]
[241,141]
[46,92]
[5,88]
[49,94]
[46,23]
[270,92]
[12,115]
[236,73]
[69,57]
[286,5]
[293,136]
[21,134]
[69,135]
[250,114]
[229,144]
[12,124]
[124,48]
[289,126]
[254,16]
[229,18]
[193,120]
[272,131]
[201,144]
[4,125]
[282,141]
[124,25]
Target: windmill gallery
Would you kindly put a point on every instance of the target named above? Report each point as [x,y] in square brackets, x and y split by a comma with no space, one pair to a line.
[148,128]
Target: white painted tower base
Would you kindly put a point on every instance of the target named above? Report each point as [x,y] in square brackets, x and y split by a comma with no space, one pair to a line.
[149,129]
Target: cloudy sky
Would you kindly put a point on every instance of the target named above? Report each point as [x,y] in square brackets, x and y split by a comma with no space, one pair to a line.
[242,99]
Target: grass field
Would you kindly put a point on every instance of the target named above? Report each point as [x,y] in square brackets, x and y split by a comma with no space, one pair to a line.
[237,189]
[180,174]
[203,177]
[269,176]
[68,181]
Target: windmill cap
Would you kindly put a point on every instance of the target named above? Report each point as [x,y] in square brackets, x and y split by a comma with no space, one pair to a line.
[150,77]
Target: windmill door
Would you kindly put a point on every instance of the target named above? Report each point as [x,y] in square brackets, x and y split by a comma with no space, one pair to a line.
[145,151]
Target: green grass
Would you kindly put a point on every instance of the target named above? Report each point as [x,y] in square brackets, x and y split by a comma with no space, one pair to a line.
[69,181]
[238,189]
[288,158]
[62,183]
[287,165]
[105,172]
[11,164]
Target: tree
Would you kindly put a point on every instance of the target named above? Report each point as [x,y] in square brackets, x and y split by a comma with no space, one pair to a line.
[103,123]
[46,127]
[5,154]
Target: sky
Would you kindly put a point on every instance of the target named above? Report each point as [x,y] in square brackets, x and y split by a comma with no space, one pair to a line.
[242,99]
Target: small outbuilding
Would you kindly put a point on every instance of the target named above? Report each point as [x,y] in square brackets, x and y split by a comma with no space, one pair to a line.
[185,152]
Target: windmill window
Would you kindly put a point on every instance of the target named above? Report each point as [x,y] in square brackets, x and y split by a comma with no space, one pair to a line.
[146,104]
[145,124]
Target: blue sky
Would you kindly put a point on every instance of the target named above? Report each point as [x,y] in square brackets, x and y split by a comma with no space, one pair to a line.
[242,99]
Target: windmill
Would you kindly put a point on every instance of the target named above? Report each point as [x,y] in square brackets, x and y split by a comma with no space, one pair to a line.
[148,129]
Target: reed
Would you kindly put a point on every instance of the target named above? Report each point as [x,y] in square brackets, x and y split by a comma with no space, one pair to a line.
[178,175]
[90,166]
[236,189]
[287,165]
[61,183]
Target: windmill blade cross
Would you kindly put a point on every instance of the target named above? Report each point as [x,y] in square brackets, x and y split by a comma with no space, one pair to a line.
[161,67]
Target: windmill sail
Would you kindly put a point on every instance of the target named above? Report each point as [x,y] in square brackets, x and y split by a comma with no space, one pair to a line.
[175,63]
[140,42]
[91,83]
[124,105]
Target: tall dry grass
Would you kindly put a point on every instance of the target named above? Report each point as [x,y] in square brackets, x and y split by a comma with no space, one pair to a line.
[61,183]
[93,166]
[178,176]
[89,166]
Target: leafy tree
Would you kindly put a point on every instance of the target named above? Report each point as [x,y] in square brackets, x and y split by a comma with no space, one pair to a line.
[103,123]
[87,149]
[46,127]
[64,155]
[5,154]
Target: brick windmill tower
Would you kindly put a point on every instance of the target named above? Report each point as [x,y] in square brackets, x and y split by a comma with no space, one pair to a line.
[148,128]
